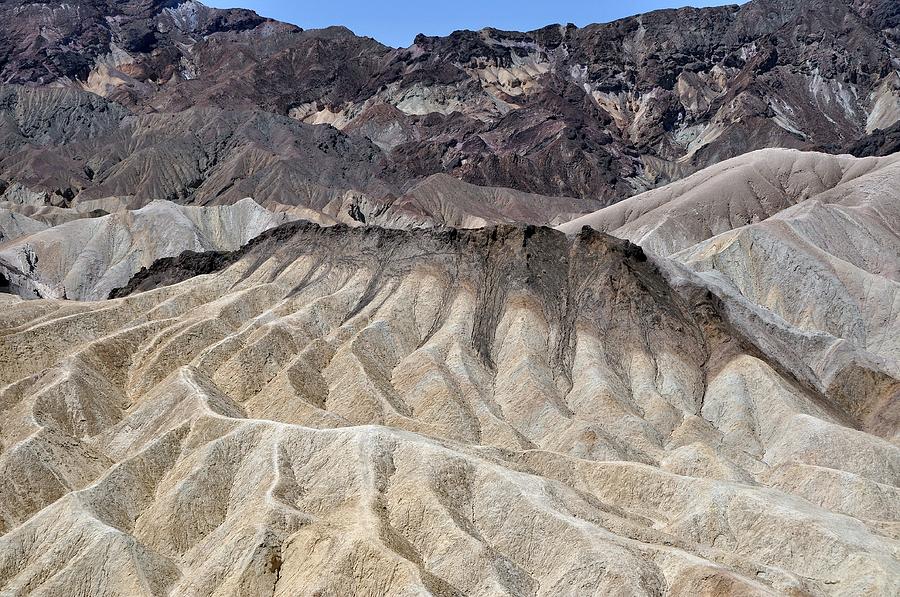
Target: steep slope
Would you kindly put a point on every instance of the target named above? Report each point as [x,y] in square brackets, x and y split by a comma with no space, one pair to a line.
[814,239]
[599,112]
[86,258]
[743,190]
[878,143]
[831,263]
[63,151]
[63,147]
[364,411]
[14,224]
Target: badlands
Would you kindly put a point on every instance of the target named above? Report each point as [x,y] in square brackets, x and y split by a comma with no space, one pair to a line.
[504,410]
[601,310]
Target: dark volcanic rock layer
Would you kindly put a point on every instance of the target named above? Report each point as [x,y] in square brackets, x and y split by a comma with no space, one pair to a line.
[878,143]
[598,112]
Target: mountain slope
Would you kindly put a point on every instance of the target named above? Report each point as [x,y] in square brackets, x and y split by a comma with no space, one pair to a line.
[403,397]
[14,224]
[743,190]
[86,258]
[811,238]
[502,410]
[600,112]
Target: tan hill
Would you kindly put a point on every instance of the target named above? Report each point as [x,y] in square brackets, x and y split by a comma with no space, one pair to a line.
[88,254]
[743,190]
[813,239]
[14,224]
[86,258]
[410,399]
[832,267]
[500,411]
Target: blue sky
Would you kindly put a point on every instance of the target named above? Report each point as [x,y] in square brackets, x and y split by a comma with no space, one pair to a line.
[396,22]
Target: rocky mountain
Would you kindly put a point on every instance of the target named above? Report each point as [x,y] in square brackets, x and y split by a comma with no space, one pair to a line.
[499,411]
[878,143]
[595,113]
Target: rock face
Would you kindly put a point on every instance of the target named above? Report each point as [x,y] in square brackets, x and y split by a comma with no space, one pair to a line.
[213,156]
[595,113]
[86,258]
[501,411]
[878,143]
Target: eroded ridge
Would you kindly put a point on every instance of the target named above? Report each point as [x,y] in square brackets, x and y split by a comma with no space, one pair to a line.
[367,411]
